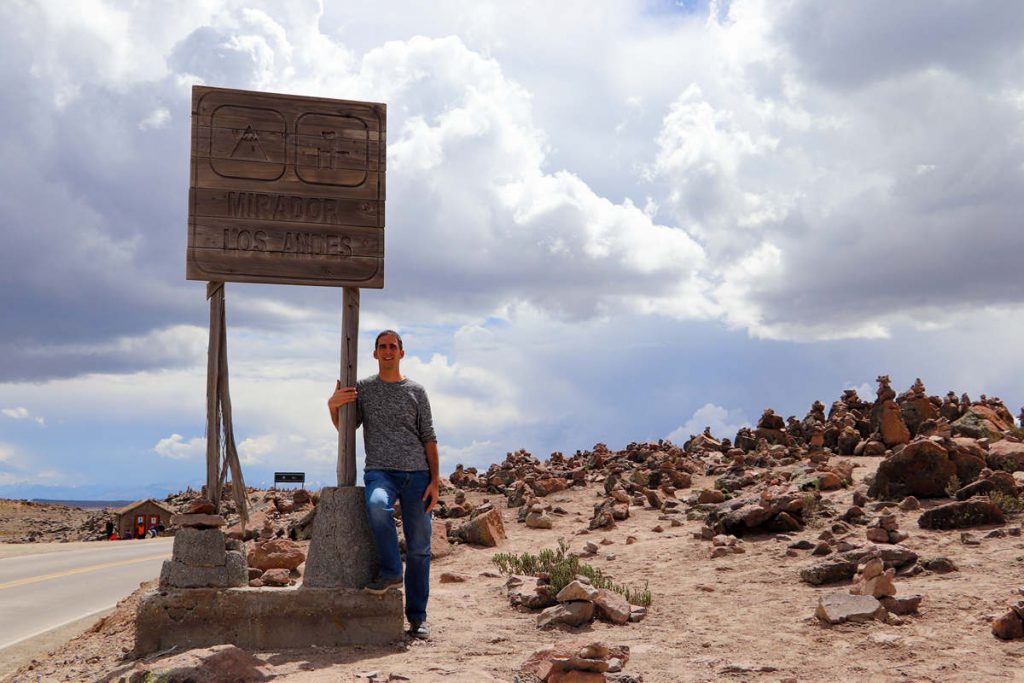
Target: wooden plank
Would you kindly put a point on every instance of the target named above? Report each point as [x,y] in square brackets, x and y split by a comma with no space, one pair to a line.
[305,209]
[205,100]
[337,242]
[347,414]
[349,184]
[214,264]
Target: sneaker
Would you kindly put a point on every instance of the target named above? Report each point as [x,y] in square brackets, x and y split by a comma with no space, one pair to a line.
[382,585]
[419,630]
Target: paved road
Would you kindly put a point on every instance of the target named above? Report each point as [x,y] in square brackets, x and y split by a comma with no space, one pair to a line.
[44,591]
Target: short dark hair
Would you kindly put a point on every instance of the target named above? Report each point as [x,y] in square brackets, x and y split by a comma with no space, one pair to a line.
[385,333]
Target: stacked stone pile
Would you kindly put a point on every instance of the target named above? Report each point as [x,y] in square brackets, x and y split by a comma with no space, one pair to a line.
[576,604]
[202,557]
[872,596]
[578,662]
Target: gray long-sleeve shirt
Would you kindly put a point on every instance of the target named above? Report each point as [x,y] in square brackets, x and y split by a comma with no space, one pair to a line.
[396,424]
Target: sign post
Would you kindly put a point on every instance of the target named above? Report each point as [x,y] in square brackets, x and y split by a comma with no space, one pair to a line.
[284,190]
[347,413]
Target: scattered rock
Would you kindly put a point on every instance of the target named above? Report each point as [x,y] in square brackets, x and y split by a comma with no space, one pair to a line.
[838,608]
[208,665]
[574,613]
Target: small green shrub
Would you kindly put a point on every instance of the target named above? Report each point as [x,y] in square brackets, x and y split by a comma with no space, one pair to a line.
[562,567]
[1006,502]
[953,485]
[810,512]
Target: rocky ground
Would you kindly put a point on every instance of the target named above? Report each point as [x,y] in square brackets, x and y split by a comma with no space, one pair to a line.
[23,521]
[791,553]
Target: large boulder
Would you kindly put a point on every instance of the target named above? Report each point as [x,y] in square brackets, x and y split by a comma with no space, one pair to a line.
[612,606]
[279,553]
[922,469]
[894,429]
[545,487]
[968,465]
[916,410]
[574,613]
[485,529]
[1006,455]
[982,422]
[997,481]
[961,514]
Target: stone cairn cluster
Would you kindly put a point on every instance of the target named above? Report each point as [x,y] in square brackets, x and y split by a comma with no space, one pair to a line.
[202,557]
[770,478]
[205,556]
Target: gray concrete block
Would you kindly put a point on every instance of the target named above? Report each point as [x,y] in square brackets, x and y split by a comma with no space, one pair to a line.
[342,553]
[199,547]
[237,569]
[176,574]
[267,619]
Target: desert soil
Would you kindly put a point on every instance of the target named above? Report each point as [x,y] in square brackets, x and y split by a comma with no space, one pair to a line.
[743,617]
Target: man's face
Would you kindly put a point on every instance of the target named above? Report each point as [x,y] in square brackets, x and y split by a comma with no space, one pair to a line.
[388,353]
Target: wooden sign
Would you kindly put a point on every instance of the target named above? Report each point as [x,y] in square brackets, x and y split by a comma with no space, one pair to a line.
[286,190]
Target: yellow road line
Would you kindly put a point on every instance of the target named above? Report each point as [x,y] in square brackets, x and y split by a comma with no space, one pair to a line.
[78,570]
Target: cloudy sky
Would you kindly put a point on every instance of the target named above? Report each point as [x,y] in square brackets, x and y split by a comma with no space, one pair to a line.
[606,222]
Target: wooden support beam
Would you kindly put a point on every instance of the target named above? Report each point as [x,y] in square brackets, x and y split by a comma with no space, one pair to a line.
[215,293]
[347,414]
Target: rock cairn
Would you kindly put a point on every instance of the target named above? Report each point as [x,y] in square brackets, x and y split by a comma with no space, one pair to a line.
[576,604]
[578,661]
[871,597]
[202,557]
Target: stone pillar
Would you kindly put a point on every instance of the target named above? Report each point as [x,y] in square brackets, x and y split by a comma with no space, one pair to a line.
[203,558]
[342,553]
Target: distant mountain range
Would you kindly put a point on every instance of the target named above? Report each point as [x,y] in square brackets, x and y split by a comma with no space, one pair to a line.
[86,504]
[86,496]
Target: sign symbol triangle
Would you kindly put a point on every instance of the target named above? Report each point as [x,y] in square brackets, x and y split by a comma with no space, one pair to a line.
[249,147]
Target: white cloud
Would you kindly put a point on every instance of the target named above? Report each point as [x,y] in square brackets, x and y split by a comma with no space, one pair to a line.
[475,452]
[158,118]
[176,447]
[20,413]
[724,424]
[733,173]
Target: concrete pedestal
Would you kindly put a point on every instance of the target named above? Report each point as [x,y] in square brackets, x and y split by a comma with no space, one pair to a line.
[267,619]
[342,553]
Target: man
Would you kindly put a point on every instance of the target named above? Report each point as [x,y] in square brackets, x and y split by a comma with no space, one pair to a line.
[401,464]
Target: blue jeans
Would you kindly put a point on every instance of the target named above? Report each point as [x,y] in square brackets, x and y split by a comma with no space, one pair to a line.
[383,488]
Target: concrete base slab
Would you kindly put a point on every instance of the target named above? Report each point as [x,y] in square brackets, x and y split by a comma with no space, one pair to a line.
[342,553]
[266,619]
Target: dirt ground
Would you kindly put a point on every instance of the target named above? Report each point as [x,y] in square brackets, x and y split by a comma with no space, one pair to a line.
[743,617]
